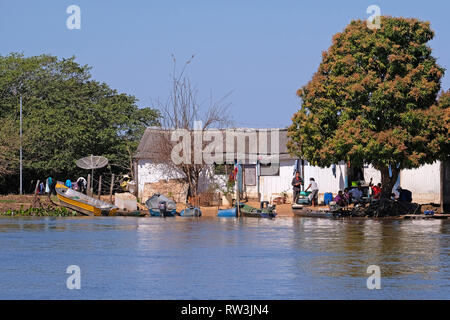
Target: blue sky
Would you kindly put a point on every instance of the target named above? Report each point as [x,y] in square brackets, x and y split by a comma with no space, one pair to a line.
[262,51]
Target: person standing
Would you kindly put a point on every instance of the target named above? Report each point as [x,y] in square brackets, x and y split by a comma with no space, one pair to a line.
[297,183]
[314,191]
[82,184]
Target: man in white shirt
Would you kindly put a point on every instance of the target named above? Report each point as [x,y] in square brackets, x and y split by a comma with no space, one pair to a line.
[314,191]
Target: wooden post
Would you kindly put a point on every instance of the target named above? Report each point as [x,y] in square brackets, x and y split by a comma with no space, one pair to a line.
[36,189]
[237,202]
[88,191]
[111,188]
[99,186]
[35,198]
[135,177]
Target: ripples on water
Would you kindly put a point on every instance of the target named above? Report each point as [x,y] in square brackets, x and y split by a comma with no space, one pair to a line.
[212,258]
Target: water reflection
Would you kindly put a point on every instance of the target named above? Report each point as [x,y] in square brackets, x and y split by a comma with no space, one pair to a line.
[222,258]
[347,247]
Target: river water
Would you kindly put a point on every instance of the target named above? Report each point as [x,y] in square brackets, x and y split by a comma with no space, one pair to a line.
[223,258]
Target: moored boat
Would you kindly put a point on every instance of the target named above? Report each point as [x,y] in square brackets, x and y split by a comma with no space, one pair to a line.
[247,211]
[82,203]
[313,213]
[161,206]
[191,212]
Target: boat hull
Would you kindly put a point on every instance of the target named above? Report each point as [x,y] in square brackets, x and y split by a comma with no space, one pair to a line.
[246,211]
[313,214]
[265,215]
[191,212]
[82,203]
[157,213]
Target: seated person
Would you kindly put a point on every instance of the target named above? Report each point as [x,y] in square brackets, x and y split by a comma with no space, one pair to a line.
[340,199]
[347,196]
[376,189]
[404,195]
[356,193]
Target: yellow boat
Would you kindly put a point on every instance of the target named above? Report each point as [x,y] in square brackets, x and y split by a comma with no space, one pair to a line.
[82,203]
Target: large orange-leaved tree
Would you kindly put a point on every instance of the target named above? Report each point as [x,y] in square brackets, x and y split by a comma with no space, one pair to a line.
[373,100]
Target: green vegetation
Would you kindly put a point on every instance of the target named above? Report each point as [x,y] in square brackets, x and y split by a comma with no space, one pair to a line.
[40,212]
[373,100]
[66,115]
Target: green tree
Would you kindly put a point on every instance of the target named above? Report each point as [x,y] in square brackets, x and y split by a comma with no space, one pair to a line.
[9,146]
[373,101]
[68,115]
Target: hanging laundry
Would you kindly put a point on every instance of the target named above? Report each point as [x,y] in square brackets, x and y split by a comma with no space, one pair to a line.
[48,183]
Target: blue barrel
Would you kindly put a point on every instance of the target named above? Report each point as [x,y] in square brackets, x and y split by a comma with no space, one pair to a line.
[227,213]
[327,197]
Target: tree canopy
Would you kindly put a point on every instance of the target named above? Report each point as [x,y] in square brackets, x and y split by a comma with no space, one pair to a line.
[66,115]
[373,100]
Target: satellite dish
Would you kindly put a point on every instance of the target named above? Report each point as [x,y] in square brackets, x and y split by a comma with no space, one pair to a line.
[92,162]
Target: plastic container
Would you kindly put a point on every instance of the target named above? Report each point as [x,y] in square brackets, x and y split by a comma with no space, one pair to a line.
[327,197]
[227,213]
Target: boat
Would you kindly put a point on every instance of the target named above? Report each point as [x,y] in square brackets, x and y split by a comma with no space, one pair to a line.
[333,211]
[248,211]
[160,206]
[191,212]
[314,213]
[82,203]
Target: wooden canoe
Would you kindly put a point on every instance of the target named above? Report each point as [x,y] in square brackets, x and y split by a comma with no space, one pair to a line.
[82,203]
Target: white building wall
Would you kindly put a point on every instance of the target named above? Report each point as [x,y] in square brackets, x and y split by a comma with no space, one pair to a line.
[270,185]
[149,172]
[326,180]
[423,182]
[371,172]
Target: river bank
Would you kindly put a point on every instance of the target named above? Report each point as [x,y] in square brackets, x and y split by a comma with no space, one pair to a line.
[21,203]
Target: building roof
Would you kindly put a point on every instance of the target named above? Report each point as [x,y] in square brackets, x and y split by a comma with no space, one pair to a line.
[238,143]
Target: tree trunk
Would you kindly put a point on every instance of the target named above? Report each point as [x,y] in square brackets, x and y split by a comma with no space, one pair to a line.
[387,182]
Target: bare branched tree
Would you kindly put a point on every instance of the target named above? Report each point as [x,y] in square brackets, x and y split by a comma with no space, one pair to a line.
[181,110]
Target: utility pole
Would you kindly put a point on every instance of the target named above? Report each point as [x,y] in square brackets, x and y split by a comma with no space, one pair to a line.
[20,160]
